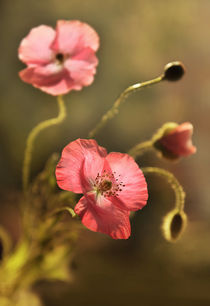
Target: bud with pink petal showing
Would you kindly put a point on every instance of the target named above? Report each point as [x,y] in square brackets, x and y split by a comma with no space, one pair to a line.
[174,141]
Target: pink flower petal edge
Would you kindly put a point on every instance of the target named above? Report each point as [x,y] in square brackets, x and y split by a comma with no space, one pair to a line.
[112,184]
[104,218]
[59,60]
[179,140]
[69,168]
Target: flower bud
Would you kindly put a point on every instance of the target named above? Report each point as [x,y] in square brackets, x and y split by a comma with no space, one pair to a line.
[174,223]
[174,141]
[174,71]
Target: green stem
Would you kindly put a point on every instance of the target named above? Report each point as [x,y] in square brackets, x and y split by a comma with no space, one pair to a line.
[67,209]
[178,190]
[32,136]
[140,148]
[115,108]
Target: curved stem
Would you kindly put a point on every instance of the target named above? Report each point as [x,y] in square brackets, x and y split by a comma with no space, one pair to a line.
[178,190]
[67,209]
[115,108]
[32,136]
[140,148]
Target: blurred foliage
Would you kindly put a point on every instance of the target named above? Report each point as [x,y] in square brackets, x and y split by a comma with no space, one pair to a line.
[46,247]
[22,298]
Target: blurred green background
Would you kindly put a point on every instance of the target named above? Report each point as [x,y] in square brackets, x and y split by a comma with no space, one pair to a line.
[137,39]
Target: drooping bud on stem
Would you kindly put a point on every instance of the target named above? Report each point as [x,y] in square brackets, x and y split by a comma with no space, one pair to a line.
[174,141]
[174,223]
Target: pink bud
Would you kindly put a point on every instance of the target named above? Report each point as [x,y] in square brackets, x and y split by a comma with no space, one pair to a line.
[176,142]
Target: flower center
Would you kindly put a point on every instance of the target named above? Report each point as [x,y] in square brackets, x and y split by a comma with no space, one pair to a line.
[108,184]
[59,57]
[105,185]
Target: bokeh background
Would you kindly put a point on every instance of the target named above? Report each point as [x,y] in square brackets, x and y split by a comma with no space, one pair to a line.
[138,38]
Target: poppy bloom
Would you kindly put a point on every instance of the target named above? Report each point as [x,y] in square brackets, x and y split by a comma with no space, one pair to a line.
[112,184]
[175,140]
[59,60]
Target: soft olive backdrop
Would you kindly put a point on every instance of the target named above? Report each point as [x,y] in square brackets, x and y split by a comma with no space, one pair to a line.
[137,39]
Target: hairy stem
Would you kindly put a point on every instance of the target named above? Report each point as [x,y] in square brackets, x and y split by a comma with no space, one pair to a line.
[170,178]
[115,108]
[32,137]
[140,148]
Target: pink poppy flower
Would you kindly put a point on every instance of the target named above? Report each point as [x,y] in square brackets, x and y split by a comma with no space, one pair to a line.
[112,184]
[60,60]
[177,142]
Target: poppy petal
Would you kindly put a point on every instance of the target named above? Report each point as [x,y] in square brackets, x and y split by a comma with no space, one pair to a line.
[102,216]
[35,47]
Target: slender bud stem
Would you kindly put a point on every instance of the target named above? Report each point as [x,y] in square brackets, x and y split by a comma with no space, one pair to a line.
[172,72]
[115,108]
[33,135]
[178,190]
[140,148]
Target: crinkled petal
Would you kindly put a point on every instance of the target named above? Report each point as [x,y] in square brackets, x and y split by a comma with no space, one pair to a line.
[79,155]
[64,86]
[93,165]
[82,67]
[104,217]
[35,47]
[133,194]
[73,36]
[179,140]
[51,78]
[43,75]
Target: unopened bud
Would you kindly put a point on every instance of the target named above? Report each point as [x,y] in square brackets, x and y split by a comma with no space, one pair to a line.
[174,223]
[174,141]
[174,71]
